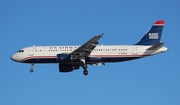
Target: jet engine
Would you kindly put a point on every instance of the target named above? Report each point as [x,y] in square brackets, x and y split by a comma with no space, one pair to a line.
[67,68]
[64,58]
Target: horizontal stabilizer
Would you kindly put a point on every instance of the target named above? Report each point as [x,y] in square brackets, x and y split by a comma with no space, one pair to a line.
[156,46]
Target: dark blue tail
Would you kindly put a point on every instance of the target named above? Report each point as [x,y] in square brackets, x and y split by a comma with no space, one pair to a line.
[153,36]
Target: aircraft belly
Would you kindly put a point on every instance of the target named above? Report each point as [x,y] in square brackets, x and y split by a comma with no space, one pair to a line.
[54,60]
[119,59]
[41,60]
[49,60]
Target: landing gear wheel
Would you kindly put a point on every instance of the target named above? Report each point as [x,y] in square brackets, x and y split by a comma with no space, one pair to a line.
[85,72]
[32,66]
[31,70]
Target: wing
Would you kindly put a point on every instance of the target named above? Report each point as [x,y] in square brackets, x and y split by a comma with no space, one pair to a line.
[87,48]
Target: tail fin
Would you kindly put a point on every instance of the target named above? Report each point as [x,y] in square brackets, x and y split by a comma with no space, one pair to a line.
[153,36]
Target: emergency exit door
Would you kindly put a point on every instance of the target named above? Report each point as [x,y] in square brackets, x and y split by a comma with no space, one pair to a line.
[134,50]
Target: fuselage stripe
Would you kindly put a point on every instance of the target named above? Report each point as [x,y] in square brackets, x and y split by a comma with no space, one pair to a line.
[40,57]
[102,56]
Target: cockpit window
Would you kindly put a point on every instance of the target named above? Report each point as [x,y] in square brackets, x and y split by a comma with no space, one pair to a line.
[21,51]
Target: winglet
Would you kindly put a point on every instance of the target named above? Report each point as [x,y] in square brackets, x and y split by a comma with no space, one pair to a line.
[101,35]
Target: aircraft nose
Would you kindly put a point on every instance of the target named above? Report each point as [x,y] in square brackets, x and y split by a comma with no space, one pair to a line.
[15,58]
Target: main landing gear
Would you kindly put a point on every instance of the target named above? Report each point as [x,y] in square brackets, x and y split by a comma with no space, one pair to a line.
[84,66]
[32,68]
[85,72]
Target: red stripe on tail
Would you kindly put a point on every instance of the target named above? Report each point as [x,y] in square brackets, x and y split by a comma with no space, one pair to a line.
[159,22]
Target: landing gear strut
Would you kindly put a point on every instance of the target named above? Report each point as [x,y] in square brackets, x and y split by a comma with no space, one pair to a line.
[85,72]
[32,68]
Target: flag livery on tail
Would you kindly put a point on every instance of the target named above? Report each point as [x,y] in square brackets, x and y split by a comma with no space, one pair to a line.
[153,36]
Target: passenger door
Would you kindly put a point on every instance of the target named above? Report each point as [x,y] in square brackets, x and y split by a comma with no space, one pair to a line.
[134,50]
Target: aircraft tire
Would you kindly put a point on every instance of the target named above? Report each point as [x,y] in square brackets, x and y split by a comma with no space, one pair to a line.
[31,70]
[85,72]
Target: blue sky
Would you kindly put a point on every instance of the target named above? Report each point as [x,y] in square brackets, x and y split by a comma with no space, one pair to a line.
[149,81]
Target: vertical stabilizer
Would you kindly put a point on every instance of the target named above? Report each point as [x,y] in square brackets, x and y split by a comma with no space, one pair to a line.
[153,36]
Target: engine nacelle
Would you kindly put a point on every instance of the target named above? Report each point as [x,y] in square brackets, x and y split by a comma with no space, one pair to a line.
[64,58]
[67,68]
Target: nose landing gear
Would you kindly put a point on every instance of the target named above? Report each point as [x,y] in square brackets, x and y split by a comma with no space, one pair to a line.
[32,68]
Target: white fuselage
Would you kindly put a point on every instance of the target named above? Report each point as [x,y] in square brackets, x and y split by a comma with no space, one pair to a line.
[109,53]
[71,58]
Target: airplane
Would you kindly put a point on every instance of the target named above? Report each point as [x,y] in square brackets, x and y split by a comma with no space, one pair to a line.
[71,58]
